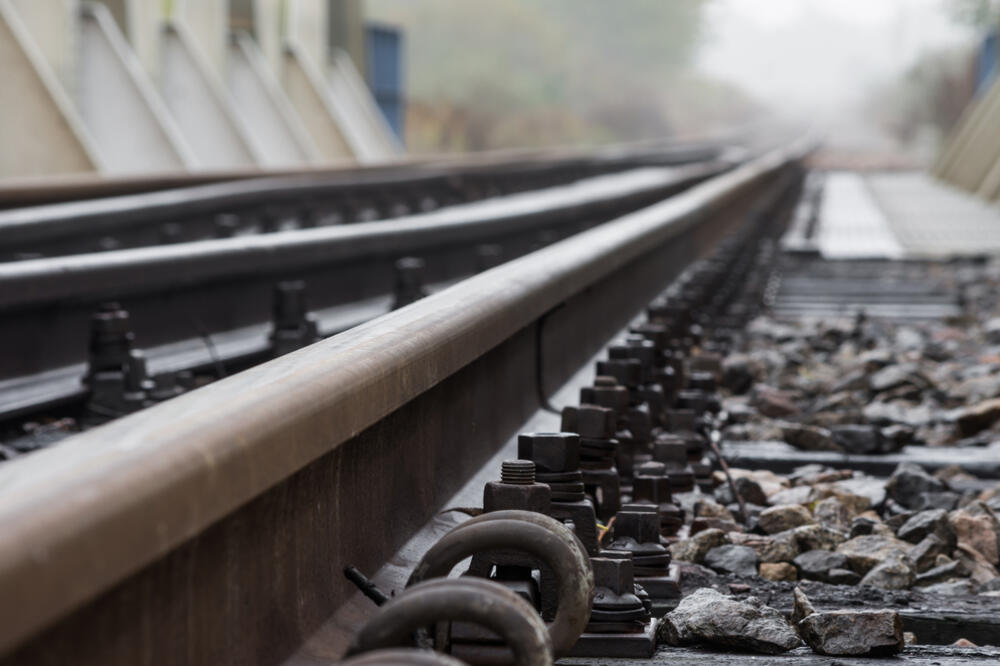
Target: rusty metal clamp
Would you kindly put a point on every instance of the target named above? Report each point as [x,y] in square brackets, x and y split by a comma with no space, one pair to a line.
[467,599]
[402,657]
[535,534]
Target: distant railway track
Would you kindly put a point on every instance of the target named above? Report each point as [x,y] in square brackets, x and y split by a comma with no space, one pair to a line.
[212,307]
[206,210]
[214,527]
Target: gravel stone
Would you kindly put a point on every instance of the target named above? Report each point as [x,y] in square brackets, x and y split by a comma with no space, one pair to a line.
[909,482]
[808,437]
[854,633]
[892,573]
[695,548]
[843,577]
[934,521]
[865,552]
[710,617]
[816,564]
[780,518]
[739,560]
[778,571]
[925,554]
[858,438]
[818,537]
[801,606]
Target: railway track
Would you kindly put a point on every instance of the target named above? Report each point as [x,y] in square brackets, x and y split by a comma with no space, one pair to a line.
[215,526]
[193,210]
[102,334]
[308,509]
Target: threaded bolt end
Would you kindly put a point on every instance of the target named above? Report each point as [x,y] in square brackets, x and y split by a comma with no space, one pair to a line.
[517,472]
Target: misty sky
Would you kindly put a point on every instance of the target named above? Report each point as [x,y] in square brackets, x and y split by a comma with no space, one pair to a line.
[820,56]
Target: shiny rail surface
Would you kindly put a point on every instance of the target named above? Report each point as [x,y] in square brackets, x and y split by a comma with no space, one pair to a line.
[216,524]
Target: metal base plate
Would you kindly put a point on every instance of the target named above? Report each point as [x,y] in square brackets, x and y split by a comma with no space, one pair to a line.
[622,646]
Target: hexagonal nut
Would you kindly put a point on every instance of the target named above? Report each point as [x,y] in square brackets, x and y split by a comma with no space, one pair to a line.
[626,371]
[499,496]
[591,421]
[613,570]
[550,451]
[605,395]
[671,450]
[639,521]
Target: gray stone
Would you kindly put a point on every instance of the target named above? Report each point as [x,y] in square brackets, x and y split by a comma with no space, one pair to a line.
[941,573]
[865,552]
[858,438]
[794,495]
[854,633]
[892,573]
[934,521]
[801,606]
[739,560]
[818,537]
[817,564]
[895,437]
[843,577]
[945,499]
[909,482]
[867,486]
[924,555]
[695,548]
[710,617]
[749,490]
[831,512]
[782,547]
[894,376]
[808,438]
[780,518]
[862,526]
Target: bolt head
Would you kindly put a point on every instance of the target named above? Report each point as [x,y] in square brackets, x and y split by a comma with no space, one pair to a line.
[589,421]
[614,573]
[638,521]
[498,496]
[550,451]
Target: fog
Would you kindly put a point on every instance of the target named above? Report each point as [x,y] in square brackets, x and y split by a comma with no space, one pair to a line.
[823,60]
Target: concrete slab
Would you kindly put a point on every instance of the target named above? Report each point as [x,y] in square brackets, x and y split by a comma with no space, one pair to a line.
[851,225]
[934,220]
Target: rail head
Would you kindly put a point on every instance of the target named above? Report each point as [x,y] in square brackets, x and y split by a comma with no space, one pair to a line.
[38,282]
[108,214]
[83,516]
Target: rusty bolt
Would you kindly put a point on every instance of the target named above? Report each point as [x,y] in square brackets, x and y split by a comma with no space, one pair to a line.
[517,489]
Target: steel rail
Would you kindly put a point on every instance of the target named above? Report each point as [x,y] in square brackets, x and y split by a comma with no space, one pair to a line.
[263,202]
[227,284]
[134,505]
[123,272]
[31,191]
